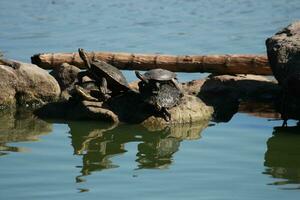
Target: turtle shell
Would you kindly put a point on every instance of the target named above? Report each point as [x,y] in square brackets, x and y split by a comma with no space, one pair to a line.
[167,97]
[159,75]
[114,75]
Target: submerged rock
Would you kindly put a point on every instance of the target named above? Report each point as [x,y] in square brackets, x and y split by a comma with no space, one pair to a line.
[27,85]
[284,52]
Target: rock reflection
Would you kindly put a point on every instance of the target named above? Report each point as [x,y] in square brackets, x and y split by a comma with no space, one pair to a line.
[18,127]
[98,143]
[282,157]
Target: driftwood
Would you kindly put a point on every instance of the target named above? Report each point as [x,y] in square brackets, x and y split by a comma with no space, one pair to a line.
[221,64]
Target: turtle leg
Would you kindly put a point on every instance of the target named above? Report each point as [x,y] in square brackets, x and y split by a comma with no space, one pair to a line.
[104,90]
[140,76]
[156,88]
[284,109]
[177,85]
[166,114]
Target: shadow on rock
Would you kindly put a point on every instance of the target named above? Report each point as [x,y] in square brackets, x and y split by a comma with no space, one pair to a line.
[282,157]
[18,127]
[99,142]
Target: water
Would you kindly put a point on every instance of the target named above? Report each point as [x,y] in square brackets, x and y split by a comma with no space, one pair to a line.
[246,158]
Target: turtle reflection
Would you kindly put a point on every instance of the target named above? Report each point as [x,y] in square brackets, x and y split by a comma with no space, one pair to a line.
[97,143]
[282,157]
[19,127]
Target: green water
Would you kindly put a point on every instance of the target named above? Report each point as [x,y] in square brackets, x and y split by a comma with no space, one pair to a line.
[245,158]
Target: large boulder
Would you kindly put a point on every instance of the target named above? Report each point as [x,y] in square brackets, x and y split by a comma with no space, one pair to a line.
[284,52]
[27,85]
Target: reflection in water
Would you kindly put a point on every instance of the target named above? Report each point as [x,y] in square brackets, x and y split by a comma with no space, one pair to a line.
[283,155]
[97,143]
[18,127]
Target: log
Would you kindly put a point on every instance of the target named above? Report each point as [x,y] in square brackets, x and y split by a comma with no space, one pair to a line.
[220,64]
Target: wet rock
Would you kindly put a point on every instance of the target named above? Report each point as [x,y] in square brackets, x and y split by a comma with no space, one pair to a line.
[284,52]
[27,85]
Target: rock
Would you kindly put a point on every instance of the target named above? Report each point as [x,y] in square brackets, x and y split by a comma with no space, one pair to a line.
[77,110]
[27,85]
[91,110]
[190,110]
[128,108]
[66,76]
[284,56]
[229,90]
[284,52]
[241,86]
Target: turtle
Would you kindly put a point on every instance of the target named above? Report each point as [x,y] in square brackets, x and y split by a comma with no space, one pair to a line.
[157,76]
[160,88]
[110,80]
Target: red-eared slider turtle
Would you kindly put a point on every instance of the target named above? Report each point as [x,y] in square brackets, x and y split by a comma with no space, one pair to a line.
[111,81]
[161,89]
[159,75]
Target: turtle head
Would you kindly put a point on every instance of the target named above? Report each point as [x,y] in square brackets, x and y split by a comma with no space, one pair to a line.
[83,55]
[141,77]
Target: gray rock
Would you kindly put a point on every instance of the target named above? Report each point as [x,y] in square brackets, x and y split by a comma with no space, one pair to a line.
[284,52]
[26,85]
[66,76]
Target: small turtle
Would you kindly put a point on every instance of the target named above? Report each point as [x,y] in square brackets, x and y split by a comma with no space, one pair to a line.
[161,89]
[158,75]
[111,81]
